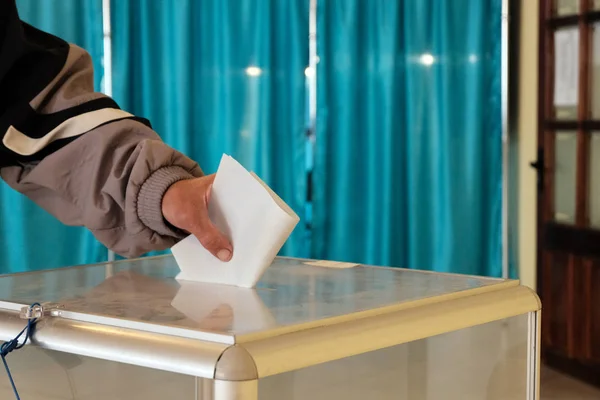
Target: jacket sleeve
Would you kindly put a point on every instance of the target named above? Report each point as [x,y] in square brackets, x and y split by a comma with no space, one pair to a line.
[88,163]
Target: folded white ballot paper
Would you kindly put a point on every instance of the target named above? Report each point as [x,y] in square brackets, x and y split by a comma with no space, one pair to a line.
[255,219]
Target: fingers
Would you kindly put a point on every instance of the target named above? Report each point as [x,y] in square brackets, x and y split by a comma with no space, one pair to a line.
[210,179]
[185,206]
[213,240]
[208,191]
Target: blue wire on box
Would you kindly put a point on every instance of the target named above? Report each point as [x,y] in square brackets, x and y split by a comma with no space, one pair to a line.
[11,345]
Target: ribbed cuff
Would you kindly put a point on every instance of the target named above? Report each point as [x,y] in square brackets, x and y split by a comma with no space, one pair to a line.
[149,202]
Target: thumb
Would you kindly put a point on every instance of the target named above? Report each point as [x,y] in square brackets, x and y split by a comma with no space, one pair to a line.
[212,239]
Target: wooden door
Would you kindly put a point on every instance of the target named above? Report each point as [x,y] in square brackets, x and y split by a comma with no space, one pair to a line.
[569,185]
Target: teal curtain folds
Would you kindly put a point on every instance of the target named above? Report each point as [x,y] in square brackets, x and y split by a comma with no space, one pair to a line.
[221,76]
[30,238]
[407,156]
[408,149]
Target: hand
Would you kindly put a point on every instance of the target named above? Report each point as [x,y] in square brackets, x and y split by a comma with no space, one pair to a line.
[185,206]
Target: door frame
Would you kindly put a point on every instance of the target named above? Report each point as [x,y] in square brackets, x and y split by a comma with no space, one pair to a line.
[576,243]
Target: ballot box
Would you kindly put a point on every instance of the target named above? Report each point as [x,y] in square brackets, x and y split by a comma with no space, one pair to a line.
[309,330]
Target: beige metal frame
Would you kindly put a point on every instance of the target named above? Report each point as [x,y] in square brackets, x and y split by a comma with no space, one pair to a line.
[318,345]
[234,370]
[533,355]
[246,363]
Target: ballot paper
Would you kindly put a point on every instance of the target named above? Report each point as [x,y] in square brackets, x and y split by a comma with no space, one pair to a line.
[252,216]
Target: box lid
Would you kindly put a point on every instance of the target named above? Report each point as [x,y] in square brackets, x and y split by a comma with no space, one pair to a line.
[293,294]
[302,313]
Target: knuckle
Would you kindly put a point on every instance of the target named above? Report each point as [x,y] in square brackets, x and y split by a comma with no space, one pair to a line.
[210,241]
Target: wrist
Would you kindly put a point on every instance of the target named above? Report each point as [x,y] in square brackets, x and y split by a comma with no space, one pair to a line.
[150,199]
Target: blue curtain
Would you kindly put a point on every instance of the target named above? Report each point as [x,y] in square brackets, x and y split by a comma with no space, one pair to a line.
[407,168]
[218,76]
[30,238]
[408,146]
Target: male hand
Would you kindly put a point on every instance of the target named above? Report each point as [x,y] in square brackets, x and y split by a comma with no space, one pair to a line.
[185,206]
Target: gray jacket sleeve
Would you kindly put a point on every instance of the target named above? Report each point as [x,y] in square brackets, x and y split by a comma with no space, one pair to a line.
[102,168]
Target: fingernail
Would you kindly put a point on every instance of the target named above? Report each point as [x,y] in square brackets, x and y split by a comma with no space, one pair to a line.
[224,255]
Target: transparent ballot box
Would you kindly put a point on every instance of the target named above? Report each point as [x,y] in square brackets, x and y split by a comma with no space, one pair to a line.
[310,330]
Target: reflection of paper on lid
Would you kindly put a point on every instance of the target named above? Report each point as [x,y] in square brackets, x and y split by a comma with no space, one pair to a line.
[256,220]
[222,307]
